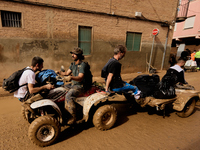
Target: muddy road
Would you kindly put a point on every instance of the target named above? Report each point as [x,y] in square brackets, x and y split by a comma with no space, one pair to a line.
[138,130]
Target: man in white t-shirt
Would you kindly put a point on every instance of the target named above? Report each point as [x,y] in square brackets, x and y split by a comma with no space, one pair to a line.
[178,71]
[28,77]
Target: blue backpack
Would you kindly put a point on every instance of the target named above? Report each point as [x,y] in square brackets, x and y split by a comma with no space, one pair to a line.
[48,75]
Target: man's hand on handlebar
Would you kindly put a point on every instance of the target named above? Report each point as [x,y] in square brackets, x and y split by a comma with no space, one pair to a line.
[57,72]
[67,78]
[49,86]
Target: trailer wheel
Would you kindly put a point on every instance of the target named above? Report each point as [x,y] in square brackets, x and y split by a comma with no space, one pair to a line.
[44,131]
[105,117]
[188,109]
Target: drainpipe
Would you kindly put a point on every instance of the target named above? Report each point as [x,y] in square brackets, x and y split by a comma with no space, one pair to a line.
[110,5]
[165,48]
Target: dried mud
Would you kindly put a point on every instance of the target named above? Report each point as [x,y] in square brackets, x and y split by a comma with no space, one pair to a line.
[135,129]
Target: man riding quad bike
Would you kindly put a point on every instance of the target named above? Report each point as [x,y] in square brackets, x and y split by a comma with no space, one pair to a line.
[48,114]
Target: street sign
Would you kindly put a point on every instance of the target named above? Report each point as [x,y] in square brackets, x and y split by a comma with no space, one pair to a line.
[155,31]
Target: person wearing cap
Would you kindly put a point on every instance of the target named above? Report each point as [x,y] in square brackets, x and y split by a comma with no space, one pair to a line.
[77,69]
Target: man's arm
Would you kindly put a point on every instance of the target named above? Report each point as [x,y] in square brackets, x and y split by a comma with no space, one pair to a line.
[109,78]
[33,89]
[182,78]
[78,78]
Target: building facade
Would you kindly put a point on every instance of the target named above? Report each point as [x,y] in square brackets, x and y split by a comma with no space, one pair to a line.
[52,28]
[187,33]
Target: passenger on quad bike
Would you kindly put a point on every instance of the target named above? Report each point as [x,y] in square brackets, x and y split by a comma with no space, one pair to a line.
[81,81]
[112,74]
[28,80]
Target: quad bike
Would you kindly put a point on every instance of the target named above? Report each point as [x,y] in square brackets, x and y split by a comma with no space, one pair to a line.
[48,115]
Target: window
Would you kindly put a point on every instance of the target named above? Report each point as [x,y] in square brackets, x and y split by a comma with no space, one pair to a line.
[84,39]
[11,19]
[133,41]
[189,22]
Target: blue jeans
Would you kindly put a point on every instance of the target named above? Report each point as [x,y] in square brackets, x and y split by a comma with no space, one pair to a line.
[126,88]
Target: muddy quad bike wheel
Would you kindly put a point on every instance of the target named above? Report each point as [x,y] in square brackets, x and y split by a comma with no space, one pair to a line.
[26,114]
[44,131]
[105,117]
[23,112]
[188,109]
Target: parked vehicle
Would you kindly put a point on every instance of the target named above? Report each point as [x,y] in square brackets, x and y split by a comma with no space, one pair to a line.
[190,65]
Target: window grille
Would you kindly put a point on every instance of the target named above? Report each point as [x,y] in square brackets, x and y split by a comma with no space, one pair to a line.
[182,10]
[10,19]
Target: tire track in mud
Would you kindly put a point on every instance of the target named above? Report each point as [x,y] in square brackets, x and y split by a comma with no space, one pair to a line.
[137,131]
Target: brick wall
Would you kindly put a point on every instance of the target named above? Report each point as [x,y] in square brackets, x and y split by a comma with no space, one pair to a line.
[52,32]
[151,9]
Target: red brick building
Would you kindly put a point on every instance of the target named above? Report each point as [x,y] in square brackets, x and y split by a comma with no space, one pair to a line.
[52,28]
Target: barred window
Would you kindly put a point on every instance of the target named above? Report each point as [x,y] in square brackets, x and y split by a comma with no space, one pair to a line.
[11,19]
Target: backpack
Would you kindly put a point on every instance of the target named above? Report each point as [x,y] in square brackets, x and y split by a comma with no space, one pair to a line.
[48,75]
[11,84]
[87,81]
